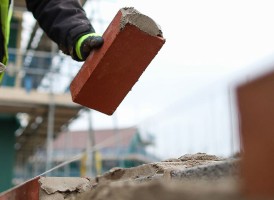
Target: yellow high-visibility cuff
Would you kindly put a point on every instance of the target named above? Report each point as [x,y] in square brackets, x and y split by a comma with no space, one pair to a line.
[1,76]
[80,41]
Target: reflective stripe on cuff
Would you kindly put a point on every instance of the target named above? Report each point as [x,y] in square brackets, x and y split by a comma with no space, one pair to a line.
[1,76]
[80,41]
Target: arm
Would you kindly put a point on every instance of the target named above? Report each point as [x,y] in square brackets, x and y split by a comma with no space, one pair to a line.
[64,21]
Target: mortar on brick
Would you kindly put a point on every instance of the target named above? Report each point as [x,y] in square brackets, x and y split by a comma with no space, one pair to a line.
[141,21]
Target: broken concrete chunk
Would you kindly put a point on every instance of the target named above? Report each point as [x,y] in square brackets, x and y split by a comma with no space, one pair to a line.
[211,171]
[158,190]
[59,188]
[57,184]
[151,170]
[199,156]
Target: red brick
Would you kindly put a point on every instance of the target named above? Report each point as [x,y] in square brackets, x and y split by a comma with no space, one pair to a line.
[28,190]
[256,111]
[109,73]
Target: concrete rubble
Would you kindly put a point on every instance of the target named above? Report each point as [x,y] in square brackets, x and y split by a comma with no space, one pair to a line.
[199,176]
[55,188]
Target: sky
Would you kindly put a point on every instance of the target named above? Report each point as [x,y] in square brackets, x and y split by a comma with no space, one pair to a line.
[211,46]
[206,42]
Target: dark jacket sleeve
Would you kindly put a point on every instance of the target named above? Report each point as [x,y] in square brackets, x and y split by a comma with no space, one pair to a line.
[64,21]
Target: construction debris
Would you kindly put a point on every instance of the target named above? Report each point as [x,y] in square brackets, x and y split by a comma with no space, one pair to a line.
[61,188]
[198,176]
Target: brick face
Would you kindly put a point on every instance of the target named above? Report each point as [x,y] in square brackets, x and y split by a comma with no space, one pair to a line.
[256,111]
[28,190]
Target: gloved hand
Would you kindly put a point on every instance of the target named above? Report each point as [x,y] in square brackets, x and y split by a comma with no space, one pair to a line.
[86,44]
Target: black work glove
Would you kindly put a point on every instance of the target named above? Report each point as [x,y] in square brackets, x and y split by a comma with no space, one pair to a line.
[86,43]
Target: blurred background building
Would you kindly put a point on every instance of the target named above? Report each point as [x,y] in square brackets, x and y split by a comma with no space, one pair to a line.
[36,110]
[31,112]
[111,148]
[176,113]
